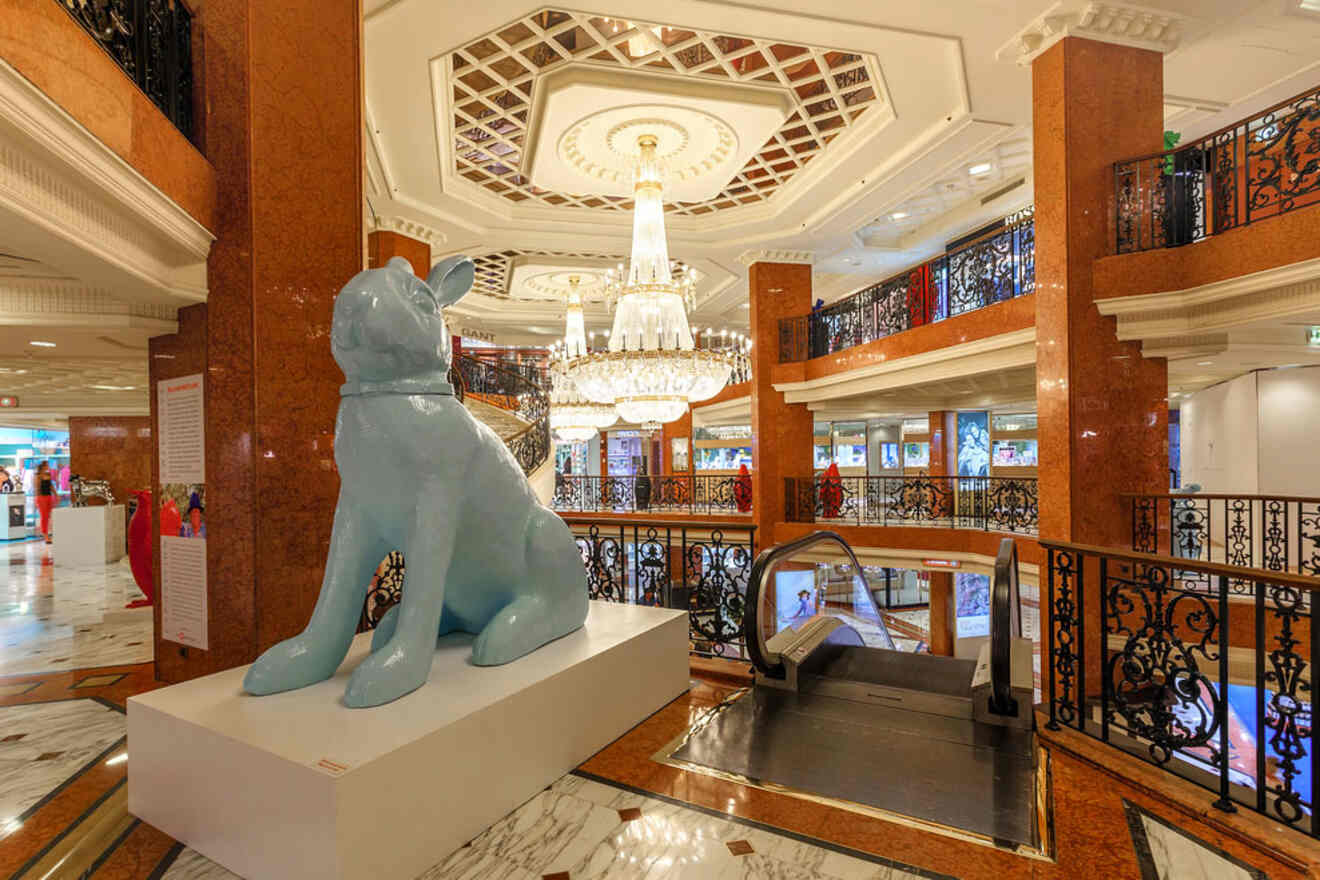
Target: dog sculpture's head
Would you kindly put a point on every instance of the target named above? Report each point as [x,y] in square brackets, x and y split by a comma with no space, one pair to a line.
[388,324]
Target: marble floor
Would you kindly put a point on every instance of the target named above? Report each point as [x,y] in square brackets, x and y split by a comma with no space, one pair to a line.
[583,829]
[55,618]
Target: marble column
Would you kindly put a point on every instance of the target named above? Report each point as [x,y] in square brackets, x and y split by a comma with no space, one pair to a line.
[781,434]
[383,245]
[1103,406]
[284,132]
[943,614]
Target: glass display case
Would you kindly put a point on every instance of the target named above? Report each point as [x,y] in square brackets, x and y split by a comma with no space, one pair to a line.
[724,458]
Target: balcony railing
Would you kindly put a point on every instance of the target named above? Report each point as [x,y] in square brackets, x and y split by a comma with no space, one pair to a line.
[996,267]
[1158,657]
[1260,167]
[151,41]
[996,504]
[700,567]
[657,493]
[1276,533]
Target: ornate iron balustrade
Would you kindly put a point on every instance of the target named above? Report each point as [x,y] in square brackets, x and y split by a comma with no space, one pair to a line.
[1276,533]
[1260,167]
[998,504]
[995,267]
[151,41]
[1155,655]
[700,567]
[515,390]
[660,493]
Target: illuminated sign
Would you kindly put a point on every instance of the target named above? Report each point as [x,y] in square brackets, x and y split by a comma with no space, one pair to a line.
[941,563]
[8,402]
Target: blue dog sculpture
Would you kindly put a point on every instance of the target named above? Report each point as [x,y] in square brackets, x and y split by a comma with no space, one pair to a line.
[419,474]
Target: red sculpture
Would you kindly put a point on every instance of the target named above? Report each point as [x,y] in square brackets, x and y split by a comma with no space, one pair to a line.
[742,489]
[831,492]
[139,549]
[171,521]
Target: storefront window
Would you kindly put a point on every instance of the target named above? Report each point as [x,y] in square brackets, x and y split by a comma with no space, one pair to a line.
[1014,422]
[916,455]
[1014,453]
[724,458]
[889,456]
[723,432]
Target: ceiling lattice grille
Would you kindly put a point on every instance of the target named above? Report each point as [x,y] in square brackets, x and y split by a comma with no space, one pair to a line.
[492,81]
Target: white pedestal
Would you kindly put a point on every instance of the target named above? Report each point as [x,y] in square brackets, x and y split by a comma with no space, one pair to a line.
[296,785]
[86,536]
[16,515]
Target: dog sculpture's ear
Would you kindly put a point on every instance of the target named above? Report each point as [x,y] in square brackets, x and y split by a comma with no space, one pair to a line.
[451,278]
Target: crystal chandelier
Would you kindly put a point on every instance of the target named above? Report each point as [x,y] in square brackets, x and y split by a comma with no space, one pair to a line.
[652,370]
[573,417]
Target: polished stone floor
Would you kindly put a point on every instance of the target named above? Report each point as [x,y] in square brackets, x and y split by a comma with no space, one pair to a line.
[53,617]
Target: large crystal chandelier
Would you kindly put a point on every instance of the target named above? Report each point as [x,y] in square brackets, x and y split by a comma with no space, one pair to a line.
[573,417]
[652,371]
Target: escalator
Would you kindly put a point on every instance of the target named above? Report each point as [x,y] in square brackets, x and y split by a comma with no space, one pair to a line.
[837,713]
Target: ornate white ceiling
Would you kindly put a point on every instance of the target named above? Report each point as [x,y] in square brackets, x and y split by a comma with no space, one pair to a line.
[495,82]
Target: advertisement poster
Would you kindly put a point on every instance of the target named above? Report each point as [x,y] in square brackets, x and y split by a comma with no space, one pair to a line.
[795,598]
[182,426]
[973,444]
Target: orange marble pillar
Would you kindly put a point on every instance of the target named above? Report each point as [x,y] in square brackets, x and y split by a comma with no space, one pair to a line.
[1102,406]
[781,434]
[943,427]
[943,614]
[285,138]
[383,245]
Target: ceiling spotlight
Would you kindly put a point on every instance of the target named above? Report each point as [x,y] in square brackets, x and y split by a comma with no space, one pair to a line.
[41,343]
[1204,363]
[898,215]
[979,168]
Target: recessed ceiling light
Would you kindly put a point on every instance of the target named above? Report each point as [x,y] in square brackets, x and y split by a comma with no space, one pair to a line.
[1204,363]
[114,387]
[980,168]
[40,343]
[898,215]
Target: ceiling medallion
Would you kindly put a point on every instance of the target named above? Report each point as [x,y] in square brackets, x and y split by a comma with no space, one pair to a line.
[652,370]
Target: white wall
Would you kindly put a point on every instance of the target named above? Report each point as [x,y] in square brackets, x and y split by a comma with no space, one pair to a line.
[1219,437]
[1257,434]
[1289,419]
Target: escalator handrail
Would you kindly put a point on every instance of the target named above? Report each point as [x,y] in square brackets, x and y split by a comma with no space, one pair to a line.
[1005,626]
[753,636]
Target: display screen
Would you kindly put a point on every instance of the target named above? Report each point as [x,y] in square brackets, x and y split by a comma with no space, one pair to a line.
[889,456]
[850,455]
[973,592]
[916,455]
[795,598]
[1015,453]
[823,458]
[724,458]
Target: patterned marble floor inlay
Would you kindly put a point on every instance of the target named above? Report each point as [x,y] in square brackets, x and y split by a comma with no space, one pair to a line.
[581,829]
[55,618]
[1168,853]
[43,745]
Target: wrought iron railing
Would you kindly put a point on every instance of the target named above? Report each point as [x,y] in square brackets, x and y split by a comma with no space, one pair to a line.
[997,504]
[1156,655]
[996,267]
[1273,532]
[666,493]
[519,393]
[151,41]
[700,567]
[1260,167]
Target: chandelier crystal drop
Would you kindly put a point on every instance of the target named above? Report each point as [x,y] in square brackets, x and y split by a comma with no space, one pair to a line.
[652,370]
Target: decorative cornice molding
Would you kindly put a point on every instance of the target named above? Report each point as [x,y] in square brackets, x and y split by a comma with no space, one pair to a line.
[1125,25]
[52,301]
[1261,296]
[412,229]
[762,255]
[59,180]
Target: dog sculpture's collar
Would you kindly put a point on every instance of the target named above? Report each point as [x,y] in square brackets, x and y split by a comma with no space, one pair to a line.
[397,386]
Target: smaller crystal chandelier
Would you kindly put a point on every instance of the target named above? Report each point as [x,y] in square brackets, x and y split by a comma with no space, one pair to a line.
[573,417]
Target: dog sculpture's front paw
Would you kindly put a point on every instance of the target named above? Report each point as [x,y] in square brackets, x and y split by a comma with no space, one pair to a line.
[293,663]
[389,673]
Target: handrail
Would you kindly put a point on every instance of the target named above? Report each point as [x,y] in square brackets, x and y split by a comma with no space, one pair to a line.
[531,446]
[588,518]
[753,635]
[1005,626]
[1238,572]
[1220,496]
